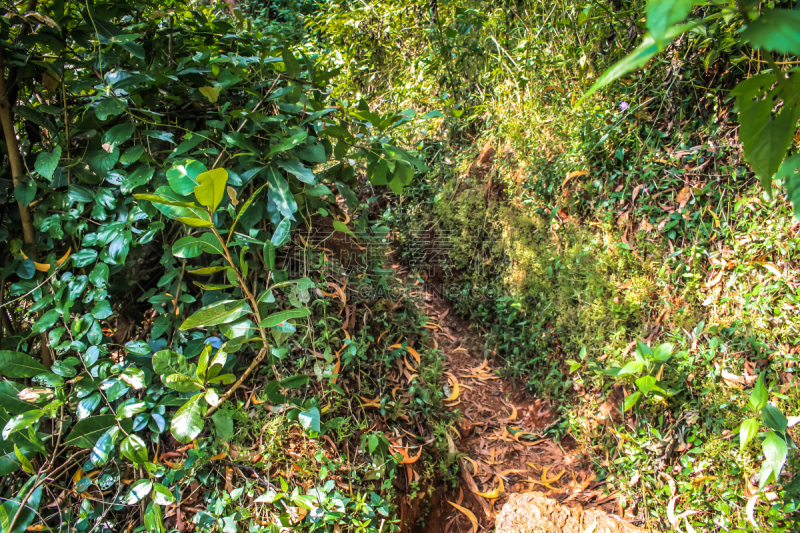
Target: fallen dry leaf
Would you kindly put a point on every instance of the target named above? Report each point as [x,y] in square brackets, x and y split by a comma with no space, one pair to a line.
[469,514]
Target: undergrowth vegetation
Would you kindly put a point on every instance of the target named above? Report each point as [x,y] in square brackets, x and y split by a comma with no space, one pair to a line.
[205,205]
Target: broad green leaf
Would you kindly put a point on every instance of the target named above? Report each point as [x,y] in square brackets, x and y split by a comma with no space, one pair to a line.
[636,59]
[138,492]
[341,226]
[295,382]
[765,135]
[634,367]
[86,432]
[280,194]
[135,449]
[25,190]
[223,424]
[212,93]
[790,174]
[132,154]
[630,400]
[647,384]
[188,420]
[662,14]
[296,168]
[774,418]
[310,419]
[162,495]
[104,446]
[319,190]
[282,233]
[276,318]
[775,30]
[747,432]
[153,518]
[166,362]
[19,365]
[182,178]
[182,383]
[287,144]
[156,199]
[188,247]
[291,63]
[20,422]
[9,398]
[217,313]
[130,408]
[12,508]
[46,163]
[775,452]
[759,397]
[119,133]
[211,187]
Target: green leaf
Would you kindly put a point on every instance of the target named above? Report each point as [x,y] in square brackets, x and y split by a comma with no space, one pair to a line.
[208,270]
[790,174]
[295,382]
[108,107]
[162,495]
[119,133]
[27,466]
[775,30]
[767,136]
[9,398]
[661,14]
[183,383]
[287,144]
[153,518]
[634,367]
[282,233]
[280,194]
[217,313]
[86,432]
[188,420]
[167,362]
[310,419]
[759,397]
[19,365]
[246,205]
[223,424]
[747,432]
[20,422]
[135,449]
[341,226]
[636,59]
[211,188]
[212,93]
[630,400]
[647,384]
[25,190]
[296,168]
[104,446]
[276,318]
[775,452]
[291,63]
[46,163]
[188,247]
[774,418]
[132,154]
[24,517]
[138,492]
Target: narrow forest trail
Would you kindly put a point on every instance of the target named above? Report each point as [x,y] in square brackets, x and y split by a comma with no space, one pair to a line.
[500,438]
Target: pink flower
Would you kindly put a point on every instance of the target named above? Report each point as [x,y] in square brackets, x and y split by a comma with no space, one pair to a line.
[623,106]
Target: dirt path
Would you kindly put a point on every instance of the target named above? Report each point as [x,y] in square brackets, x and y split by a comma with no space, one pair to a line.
[500,436]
